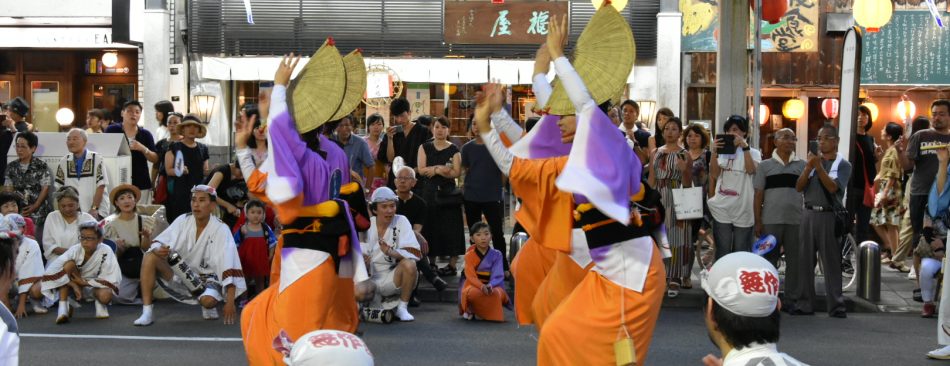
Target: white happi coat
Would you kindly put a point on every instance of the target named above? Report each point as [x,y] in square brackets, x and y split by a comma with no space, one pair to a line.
[59,234]
[92,176]
[398,235]
[29,265]
[100,271]
[213,253]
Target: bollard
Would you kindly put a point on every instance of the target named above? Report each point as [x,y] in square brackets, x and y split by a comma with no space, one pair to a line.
[517,240]
[869,271]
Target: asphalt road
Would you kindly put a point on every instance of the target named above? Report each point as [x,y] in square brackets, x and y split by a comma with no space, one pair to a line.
[438,337]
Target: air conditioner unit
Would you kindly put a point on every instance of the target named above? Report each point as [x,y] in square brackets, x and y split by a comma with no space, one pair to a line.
[838,22]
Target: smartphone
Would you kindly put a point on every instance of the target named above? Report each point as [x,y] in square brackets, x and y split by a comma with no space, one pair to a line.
[398,129]
[730,144]
[813,147]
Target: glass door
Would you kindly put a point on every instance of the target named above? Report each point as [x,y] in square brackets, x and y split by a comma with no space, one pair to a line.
[111,97]
[44,102]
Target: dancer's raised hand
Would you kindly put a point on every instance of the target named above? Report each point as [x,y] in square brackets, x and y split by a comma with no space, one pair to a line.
[286,68]
[557,37]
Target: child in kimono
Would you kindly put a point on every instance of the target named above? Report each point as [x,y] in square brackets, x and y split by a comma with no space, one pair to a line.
[90,264]
[29,268]
[482,288]
[255,241]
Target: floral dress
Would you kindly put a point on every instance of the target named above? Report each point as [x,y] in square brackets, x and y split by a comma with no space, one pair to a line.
[29,181]
[679,234]
[887,210]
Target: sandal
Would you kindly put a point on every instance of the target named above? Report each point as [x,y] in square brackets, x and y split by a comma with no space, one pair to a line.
[448,270]
[673,290]
[687,283]
[917,296]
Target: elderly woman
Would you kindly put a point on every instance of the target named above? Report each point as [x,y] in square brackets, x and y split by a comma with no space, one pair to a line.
[62,226]
[441,162]
[30,177]
[90,264]
[132,235]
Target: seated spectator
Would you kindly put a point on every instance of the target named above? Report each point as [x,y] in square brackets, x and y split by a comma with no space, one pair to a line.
[83,169]
[255,243]
[931,262]
[743,321]
[207,246]
[62,226]
[31,178]
[90,264]
[29,267]
[9,332]
[413,208]
[132,235]
[391,251]
[228,181]
[10,203]
[482,283]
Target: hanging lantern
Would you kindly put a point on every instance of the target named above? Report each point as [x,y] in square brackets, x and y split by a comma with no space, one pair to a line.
[873,108]
[906,109]
[764,114]
[829,108]
[793,109]
[617,4]
[772,10]
[872,14]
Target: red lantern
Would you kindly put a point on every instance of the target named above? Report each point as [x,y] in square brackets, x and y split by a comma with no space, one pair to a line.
[829,108]
[772,10]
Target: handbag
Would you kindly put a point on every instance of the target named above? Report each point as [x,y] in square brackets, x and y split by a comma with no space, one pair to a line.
[844,223]
[161,190]
[688,203]
[130,262]
[868,200]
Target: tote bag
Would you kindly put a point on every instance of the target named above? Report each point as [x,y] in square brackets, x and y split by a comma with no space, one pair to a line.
[688,203]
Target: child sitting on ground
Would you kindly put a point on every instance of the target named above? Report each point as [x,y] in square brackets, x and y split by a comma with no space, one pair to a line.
[89,264]
[28,265]
[255,243]
[482,288]
[11,203]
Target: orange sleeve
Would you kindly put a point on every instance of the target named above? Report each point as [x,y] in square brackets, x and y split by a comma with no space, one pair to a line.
[286,211]
[471,262]
[546,212]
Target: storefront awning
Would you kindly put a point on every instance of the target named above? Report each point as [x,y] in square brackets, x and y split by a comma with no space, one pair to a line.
[452,71]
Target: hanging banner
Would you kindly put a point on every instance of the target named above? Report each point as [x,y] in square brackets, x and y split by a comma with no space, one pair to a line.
[523,22]
[796,32]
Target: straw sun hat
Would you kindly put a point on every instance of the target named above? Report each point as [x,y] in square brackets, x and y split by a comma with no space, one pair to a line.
[192,119]
[603,57]
[328,86]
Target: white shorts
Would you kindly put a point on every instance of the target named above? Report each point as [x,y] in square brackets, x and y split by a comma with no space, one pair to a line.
[385,286]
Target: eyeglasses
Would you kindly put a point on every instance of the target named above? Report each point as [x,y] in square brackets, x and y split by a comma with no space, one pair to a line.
[405,178]
[88,238]
[827,137]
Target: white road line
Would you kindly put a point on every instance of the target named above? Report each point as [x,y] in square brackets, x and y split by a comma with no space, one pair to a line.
[108,336]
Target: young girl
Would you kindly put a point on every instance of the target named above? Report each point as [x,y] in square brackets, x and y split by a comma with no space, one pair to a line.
[482,288]
[255,241]
[10,203]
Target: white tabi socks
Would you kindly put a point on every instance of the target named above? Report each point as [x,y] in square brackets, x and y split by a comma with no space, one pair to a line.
[146,318]
[102,311]
[402,312]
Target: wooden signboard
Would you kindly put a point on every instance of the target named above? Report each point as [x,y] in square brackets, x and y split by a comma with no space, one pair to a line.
[523,22]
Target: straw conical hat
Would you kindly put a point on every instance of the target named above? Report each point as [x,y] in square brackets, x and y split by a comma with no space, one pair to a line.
[603,57]
[355,84]
[317,92]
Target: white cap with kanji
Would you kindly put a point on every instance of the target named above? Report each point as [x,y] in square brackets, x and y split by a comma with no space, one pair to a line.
[743,283]
[329,348]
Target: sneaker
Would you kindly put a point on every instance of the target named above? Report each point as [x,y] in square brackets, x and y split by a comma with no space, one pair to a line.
[840,313]
[940,353]
[102,311]
[39,309]
[209,314]
[414,302]
[439,284]
[912,275]
[403,314]
[468,316]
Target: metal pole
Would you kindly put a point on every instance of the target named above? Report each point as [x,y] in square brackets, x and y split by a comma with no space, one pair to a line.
[869,271]
[756,78]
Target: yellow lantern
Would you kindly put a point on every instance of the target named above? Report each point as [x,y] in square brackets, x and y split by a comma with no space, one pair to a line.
[764,114]
[872,14]
[906,109]
[873,108]
[793,109]
[617,4]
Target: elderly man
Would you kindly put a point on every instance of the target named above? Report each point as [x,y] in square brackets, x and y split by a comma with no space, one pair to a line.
[742,312]
[142,145]
[413,208]
[777,205]
[206,246]
[357,150]
[392,251]
[83,169]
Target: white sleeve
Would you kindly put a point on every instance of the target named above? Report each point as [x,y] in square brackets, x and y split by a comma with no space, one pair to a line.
[498,151]
[506,125]
[169,236]
[228,262]
[407,237]
[573,84]
[109,273]
[246,162]
[49,241]
[278,101]
[542,89]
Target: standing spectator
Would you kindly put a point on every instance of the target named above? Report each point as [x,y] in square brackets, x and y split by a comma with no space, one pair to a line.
[132,234]
[440,161]
[108,120]
[159,177]
[696,140]
[402,138]
[16,111]
[94,119]
[185,164]
[229,182]
[731,194]
[906,231]
[31,178]
[376,175]
[886,215]
[778,206]
[6,139]
[142,146]
[258,139]
[62,226]
[865,163]
[662,116]
[937,205]
[630,111]
[670,169]
[357,150]
[483,191]
[82,169]
[925,166]
[9,332]
[162,109]
[255,243]
[414,209]
[824,179]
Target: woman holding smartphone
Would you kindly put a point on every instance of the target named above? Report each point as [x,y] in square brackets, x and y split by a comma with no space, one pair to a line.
[731,191]
[670,169]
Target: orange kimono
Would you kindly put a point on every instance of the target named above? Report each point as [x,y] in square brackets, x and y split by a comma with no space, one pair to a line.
[561,280]
[480,270]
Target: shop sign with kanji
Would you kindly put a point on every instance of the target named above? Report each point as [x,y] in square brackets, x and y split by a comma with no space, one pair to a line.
[523,22]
